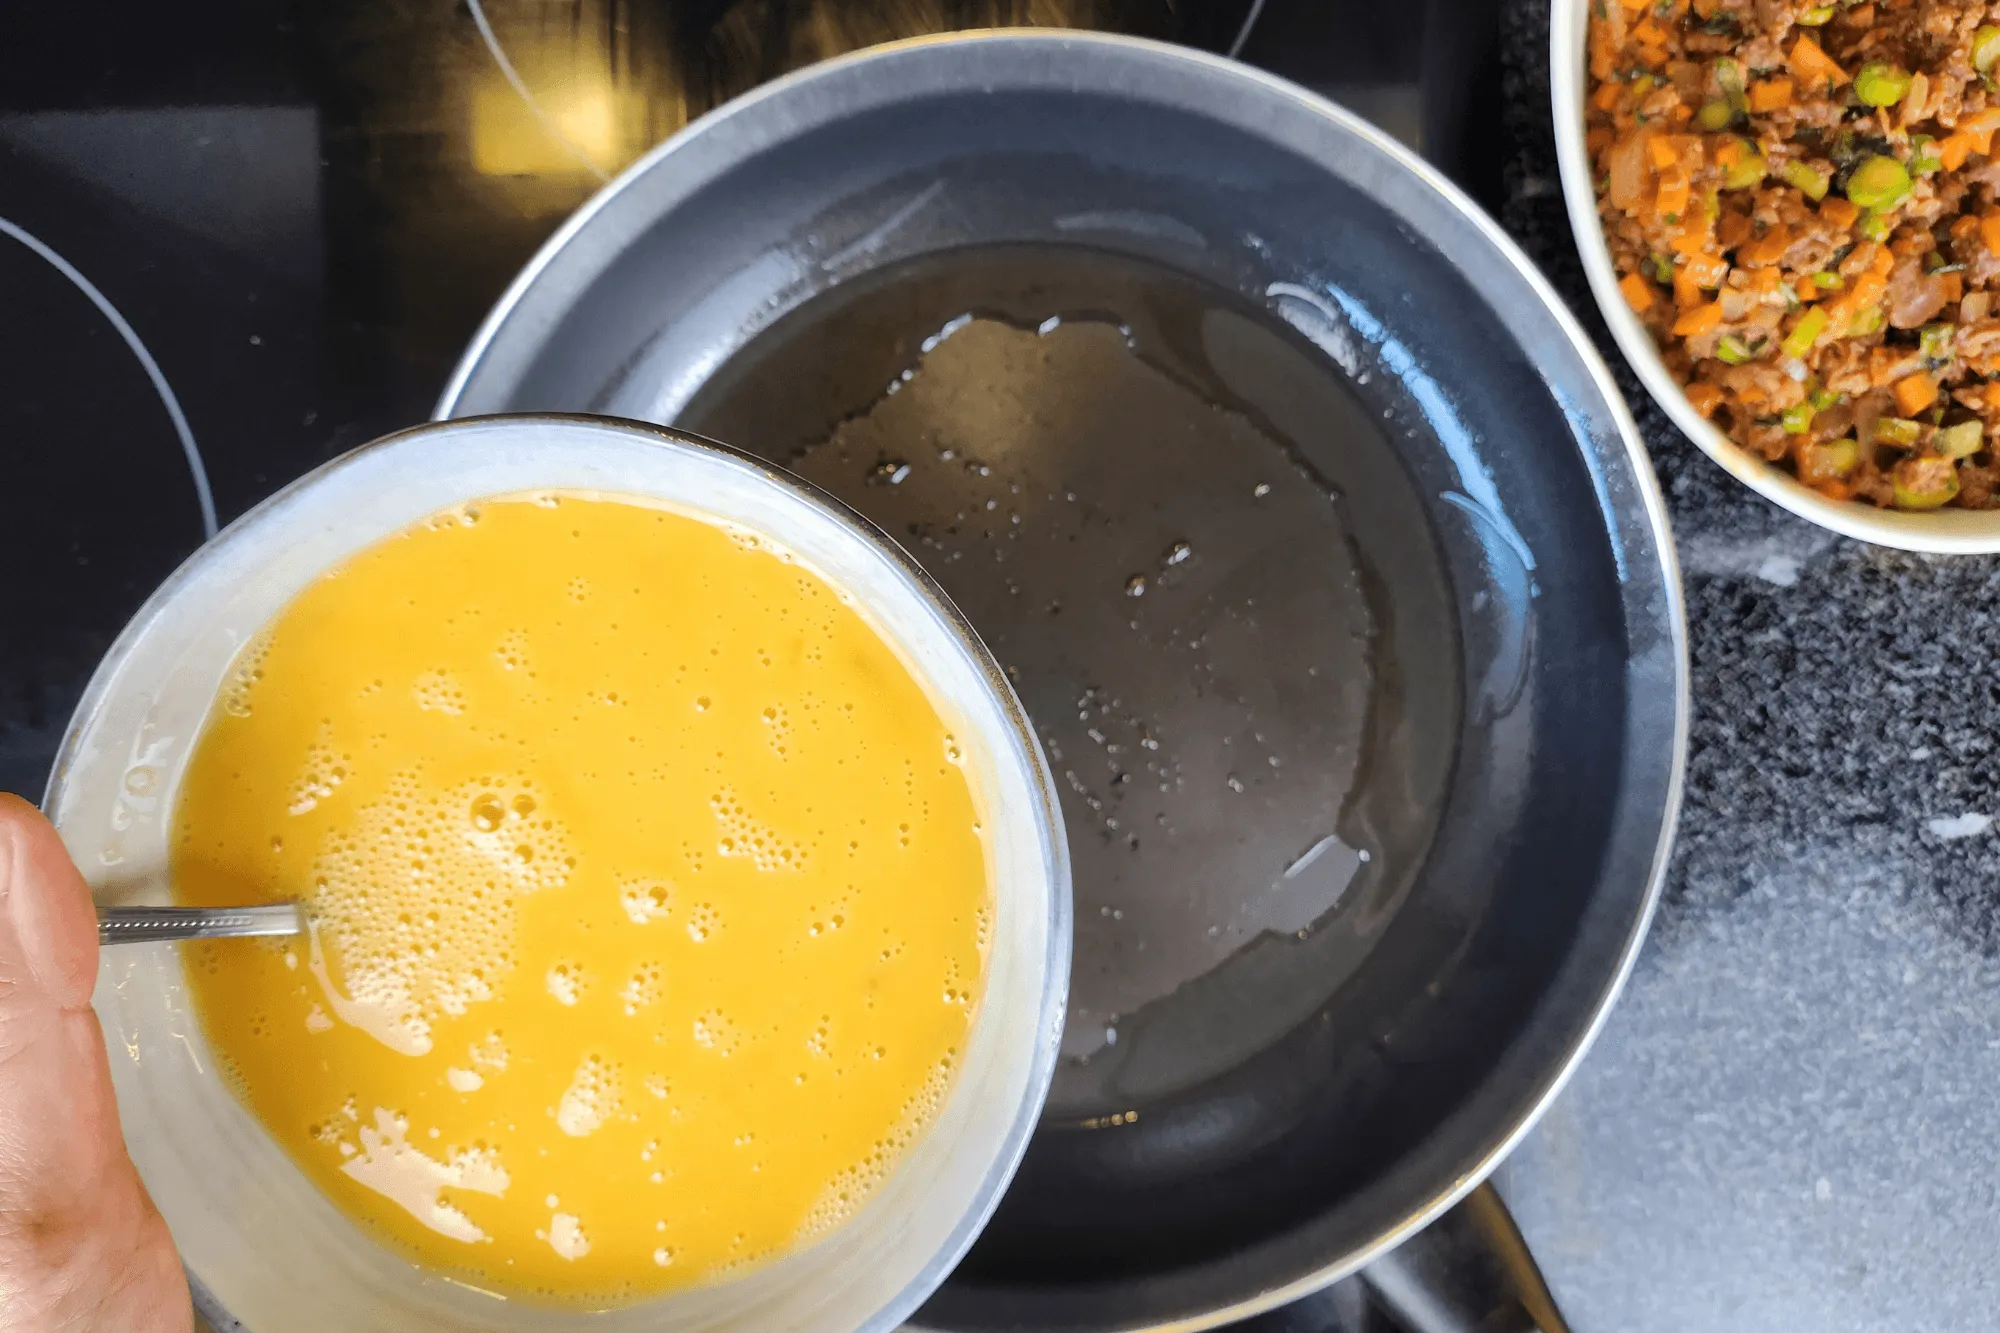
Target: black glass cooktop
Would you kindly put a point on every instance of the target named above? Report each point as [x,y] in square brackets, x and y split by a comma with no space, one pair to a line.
[237,238]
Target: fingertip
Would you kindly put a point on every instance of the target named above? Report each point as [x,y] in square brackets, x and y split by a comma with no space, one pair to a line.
[48,926]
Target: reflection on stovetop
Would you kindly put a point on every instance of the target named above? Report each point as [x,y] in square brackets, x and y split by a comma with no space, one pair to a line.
[301,214]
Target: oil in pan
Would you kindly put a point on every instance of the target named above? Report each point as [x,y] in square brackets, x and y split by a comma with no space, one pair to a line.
[1183,533]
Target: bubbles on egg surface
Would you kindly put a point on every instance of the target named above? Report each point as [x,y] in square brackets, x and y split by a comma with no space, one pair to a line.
[512,650]
[418,904]
[646,900]
[703,921]
[489,1052]
[715,1031]
[642,988]
[742,834]
[777,729]
[245,676]
[591,1098]
[565,1236]
[852,1186]
[488,814]
[438,691]
[322,772]
[566,982]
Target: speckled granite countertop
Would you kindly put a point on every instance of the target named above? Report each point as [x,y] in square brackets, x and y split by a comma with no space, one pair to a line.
[1792,1120]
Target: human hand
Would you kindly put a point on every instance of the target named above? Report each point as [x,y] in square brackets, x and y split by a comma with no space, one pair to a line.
[82,1249]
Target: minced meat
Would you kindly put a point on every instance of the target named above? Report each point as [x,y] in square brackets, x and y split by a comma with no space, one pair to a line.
[1802,201]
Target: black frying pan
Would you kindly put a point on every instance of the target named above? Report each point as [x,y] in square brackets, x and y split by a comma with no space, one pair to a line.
[1416,708]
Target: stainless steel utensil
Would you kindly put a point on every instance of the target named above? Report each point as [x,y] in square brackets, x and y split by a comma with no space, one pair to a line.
[139,925]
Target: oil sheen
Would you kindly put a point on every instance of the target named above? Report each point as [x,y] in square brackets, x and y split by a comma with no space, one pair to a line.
[649,895]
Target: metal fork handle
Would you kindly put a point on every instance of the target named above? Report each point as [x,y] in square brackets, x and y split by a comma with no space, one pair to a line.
[135,925]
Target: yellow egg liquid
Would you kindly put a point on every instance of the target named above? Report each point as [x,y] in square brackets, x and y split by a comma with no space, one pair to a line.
[650,903]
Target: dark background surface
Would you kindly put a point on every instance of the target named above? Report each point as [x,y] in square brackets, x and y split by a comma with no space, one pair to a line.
[303,210]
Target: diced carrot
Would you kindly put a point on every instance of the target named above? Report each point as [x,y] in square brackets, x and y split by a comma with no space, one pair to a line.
[1663,151]
[1766,281]
[1770,94]
[1814,65]
[1606,96]
[1884,262]
[1838,211]
[1835,490]
[1953,287]
[1732,230]
[1980,125]
[1953,149]
[1671,199]
[1915,392]
[1635,5]
[1702,319]
[1705,271]
[1603,50]
[1680,113]
[1805,288]
[1705,397]
[1767,249]
[1686,294]
[1638,293]
[1648,32]
[1989,231]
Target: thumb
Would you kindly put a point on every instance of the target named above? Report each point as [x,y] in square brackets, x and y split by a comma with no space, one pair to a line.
[82,1249]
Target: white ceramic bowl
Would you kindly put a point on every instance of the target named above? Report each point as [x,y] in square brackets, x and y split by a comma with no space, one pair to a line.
[269,1252]
[1961,531]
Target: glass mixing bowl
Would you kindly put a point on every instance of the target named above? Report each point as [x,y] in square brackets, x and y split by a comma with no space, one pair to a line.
[269,1253]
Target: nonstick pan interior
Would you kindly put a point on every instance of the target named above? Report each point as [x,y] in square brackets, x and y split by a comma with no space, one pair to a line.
[1317,547]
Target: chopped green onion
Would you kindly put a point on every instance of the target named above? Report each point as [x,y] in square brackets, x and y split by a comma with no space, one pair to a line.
[1827,280]
[1960,441]
[1715,115]
[1924,483]
[1899,431]
[1833,458]
[1729,76]
[1797,418]
[1816,16]
[1935,341]
[1731,350]
[1875,227]
[1985,48]
[1805,333]
[1822,398]
[1663,268]
[1878,83]
[1807,179]
[1879,183]
[1922,160]
[1865,323]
